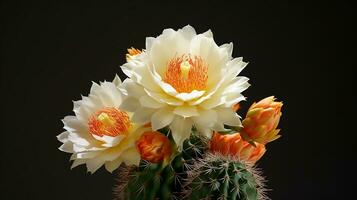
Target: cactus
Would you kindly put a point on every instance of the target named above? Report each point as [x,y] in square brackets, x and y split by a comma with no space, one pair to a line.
[158,180]
[220,177]
[148,181]
[192,174]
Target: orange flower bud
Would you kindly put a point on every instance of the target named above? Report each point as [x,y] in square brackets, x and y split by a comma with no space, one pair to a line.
[262,120]
[234,145]
[154,147]
[132,52]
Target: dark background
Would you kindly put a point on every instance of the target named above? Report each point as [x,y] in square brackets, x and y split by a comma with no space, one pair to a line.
[50,53]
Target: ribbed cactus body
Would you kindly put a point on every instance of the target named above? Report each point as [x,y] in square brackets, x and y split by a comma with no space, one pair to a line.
[149,181]
[218,177]
[158,181]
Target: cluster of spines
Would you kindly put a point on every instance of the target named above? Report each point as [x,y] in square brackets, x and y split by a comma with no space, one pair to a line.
[192,174]
[220,177]
[148,181]
[157,181]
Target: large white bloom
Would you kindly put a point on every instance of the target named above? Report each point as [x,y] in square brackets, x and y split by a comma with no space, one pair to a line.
[182,80]
[100,133]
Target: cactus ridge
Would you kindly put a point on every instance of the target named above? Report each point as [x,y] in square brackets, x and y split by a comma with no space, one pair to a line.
[192,174]
[220,177]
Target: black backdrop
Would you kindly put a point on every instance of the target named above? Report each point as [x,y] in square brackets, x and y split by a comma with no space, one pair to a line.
[51,52]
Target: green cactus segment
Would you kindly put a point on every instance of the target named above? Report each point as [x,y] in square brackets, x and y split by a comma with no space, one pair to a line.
[194,147]
[216,178]
[191,173]
[158,181]
[149,181]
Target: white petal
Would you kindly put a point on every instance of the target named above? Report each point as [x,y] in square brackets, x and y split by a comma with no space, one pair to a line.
[130,104]
[67,147]
[77,128]
[228,48]
[167,88]
[78,148]
[111,154]
[150,102]
[76,105]
[235,66]
[188,32]
[86,155]
[167,46]
[116,81]
[148,42]
[210,92]
[208,50]
[186,111]
[94,164]
[77,162]
[108,140]
[139,73]
[162,118]
[78,140]
[206,118]
[111,166]
[228,117]
[143,115]
[63,137]
[181,130]
[164,98]
[133,89]
[190,96]
[238,85]
[208,33]
[110,95]
[207,132]
[232,99]
[131,157]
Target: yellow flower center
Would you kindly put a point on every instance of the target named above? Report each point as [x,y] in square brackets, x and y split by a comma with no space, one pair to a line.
[186,73]
[109,121]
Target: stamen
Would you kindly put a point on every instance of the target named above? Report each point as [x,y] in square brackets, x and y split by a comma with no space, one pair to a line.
[109,121]
[186,73]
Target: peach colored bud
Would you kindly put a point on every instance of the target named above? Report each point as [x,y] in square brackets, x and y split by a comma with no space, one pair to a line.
[234,145]
[132,52]
[262,120]
[154,147]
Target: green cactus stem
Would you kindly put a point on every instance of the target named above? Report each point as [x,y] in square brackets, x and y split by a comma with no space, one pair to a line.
[218,177]
[160,181]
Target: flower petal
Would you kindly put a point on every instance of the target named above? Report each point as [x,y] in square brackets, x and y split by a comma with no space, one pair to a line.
[142,115]
[149,102]
[164,98]
[63,137]
[78,162]
[134,89]
[131,156]
[186,111]
[130,104]
[190,96]
[94,164]
[67,147]
[162,118]
[181,130]
[228,117]
[110,166]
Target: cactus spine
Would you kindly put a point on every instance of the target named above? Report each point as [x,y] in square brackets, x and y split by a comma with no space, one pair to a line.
[157,181]
[219,177]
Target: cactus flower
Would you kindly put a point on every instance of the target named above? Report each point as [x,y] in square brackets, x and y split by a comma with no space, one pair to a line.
[182,80]
[260,124]
[154,147]
[234,145]
[100,133]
